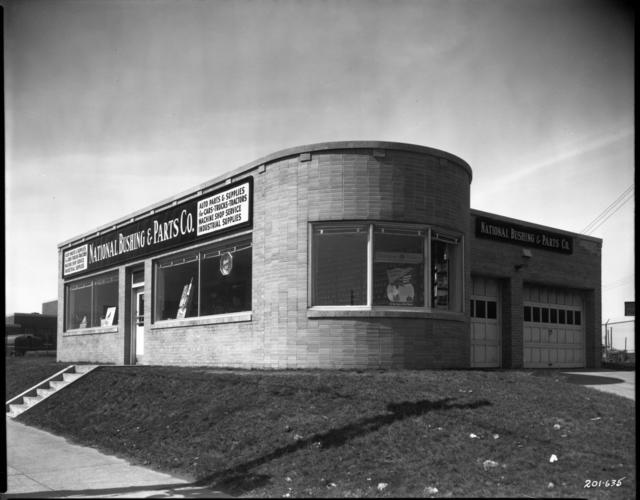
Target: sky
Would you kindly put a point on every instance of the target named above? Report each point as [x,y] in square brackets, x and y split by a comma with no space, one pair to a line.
[113,105]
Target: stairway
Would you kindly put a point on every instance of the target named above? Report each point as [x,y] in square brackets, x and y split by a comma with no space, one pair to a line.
[39,392]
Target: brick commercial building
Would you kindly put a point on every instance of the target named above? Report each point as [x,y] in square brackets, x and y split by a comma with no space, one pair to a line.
[336,255]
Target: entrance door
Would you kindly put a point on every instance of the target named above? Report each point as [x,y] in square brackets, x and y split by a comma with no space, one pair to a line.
[139,324]
[135,326]
[486,340]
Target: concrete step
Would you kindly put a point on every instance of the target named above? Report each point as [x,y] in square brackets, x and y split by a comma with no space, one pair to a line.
[16,410]
[46,388]
[58,384]
[70,377]
[45,392]
[31,400]
[84,368]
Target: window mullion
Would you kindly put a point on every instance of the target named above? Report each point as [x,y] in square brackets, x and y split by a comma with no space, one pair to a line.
[370,267]
[428,271]
[93,306]
[200,258]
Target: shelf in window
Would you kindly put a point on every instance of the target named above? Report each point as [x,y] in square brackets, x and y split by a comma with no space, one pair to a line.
[91,331]
[203,320]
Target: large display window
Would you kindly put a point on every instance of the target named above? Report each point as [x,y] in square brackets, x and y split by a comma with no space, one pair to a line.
[398,267]
[385,265]
[204,282]
[340,264]
[92,302]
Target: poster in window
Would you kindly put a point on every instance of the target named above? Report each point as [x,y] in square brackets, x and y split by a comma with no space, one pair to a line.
[185,300]
[108,319]
[400,291]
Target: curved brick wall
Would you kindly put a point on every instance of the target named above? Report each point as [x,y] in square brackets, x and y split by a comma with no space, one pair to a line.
[376,183]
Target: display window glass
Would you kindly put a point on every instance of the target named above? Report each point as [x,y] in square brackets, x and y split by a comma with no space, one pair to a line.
[384,265]
[92,302]
[340,265]
[398,267]
[446,273]
[204,282]
[177,287]
[226,280]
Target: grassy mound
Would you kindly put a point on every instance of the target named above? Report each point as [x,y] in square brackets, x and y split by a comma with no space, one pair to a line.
[345,434]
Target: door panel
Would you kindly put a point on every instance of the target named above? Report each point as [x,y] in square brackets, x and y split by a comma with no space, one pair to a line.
[486,340]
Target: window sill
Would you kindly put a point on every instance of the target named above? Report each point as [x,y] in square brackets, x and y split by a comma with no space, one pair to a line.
[383,312]
[90,331]
[206,320]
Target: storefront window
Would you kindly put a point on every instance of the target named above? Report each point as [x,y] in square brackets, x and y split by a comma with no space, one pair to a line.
[226,281]
[446,269]
[340,265]
[395,258]
[216,280]
[398,267]
[177,287]
[92,302]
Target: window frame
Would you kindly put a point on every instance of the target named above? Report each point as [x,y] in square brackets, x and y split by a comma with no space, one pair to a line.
[430,234]
[114,277]
[244,239]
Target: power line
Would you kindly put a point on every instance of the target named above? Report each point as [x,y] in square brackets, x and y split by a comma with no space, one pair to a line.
[617,283]
[602,214]
[609,211]
[605,219]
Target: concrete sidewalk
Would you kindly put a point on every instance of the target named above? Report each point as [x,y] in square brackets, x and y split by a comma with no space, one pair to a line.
[42,465]
[622,383]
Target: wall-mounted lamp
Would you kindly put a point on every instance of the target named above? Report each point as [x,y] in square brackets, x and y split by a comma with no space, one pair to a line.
[526,255]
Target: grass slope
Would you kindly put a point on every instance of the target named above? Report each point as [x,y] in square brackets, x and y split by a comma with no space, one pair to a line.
[24,372]
[349,434]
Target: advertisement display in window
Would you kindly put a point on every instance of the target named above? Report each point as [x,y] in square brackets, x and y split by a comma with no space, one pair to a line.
[398,267]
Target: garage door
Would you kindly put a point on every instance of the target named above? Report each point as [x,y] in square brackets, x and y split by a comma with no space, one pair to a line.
[486,349]
[554,333]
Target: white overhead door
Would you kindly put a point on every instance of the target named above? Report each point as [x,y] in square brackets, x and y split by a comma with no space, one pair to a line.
[486,349]
[554,333]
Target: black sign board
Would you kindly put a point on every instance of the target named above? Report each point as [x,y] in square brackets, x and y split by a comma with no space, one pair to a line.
[630,308]
[211,215]
[522,235]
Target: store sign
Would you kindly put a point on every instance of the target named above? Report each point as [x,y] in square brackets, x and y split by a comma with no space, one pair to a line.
[526,236]
[213,214]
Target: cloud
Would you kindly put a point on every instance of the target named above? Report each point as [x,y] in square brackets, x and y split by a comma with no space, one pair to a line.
[569,152]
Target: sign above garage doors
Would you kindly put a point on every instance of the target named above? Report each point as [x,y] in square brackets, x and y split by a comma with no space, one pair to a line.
[527,236]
